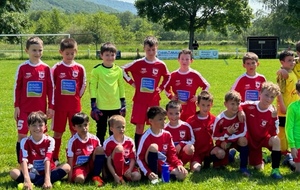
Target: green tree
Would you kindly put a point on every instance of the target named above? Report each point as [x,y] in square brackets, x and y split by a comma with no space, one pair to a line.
[12,17]
[195,15]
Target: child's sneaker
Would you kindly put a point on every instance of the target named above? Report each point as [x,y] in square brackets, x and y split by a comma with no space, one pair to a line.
[231,155]
[288,161]
[276,174]
[98,181]
[245,172]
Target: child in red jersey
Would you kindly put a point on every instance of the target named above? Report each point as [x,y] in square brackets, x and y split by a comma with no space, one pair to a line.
[229,132]
[157,147]
[37,166]
[249,83]
[85,154]
[70,81]
[182,133]
[120,152]
[33,88]
[262,128]
[184,83]
[146,73]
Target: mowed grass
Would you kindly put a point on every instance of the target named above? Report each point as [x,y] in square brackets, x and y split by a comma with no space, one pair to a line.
[221,74]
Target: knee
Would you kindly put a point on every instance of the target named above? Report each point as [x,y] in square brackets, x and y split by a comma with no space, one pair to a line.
[153,148]
[136,176]
[99,150]
[66,167]
[181,176]
[119,148]
[242,141]
[189,149]
[14,174]
[220,153]
[275,142]
[79,179]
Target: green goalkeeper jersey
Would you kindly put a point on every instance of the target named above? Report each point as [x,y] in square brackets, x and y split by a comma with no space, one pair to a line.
[292,126]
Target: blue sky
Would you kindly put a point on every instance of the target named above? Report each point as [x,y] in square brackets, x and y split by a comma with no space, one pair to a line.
[253,3]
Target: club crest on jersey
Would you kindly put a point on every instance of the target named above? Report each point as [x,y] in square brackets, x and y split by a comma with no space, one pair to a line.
[236,125]
[126,152]
[28,75]
[90,148]
[263,123]
[257,84]
[182,134]
[154,71]
[62,75]
[41,74]
[165,147]
[143,70]
[75,74]
[189,81]
[42,151]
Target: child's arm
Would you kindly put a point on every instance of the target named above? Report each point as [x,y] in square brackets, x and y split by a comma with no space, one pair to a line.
[128,68]
[166,77]
[27,181]
[283,73]
[47,183]
[281,104]
[112,170]
[83,83]
[70,162]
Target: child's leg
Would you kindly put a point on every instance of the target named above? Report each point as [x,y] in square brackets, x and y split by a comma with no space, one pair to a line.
[244,151]
[102,126]
[22,132]
[118,160]
[139,130]
[57,138]
[186,154]
[60,172]
[274,142]
[136,176]
[98,160]
[152,158]
[58,125]
[283,141]
[219,156]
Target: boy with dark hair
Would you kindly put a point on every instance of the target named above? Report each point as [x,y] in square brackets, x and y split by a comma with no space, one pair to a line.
[181,132]
[157,147]
[33,88]
[70,82]
[146,73]
[107,90]
[184,83]
[229,132]
[37,166]
[262,128]
[85,154]
[249,83]
[120,152]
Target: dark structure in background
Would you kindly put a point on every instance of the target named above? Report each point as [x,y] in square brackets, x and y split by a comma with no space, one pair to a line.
[265,47]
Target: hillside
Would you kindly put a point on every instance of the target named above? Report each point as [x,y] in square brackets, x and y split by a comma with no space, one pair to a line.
[121,6]
[70,6]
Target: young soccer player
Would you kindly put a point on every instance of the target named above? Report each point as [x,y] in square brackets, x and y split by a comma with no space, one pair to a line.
[85,154]
[120,152]
[182,133]
[262,128]
[157,147]
[249,83]
[107,90]
[70,82]
[292,129]
[202,124]
[37,167]
[184,83]
[146,74]
[229,132]
[287,96]
[33,88]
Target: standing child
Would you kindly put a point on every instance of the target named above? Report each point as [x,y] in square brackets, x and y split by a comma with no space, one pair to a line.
[70,82]
[249,83]
[107,90]
[292,129]
[181,132]
[229,132]
[33,87]
[37,166]
[146,74]
[202,124]
[120,152]
[157,147]
[262,128]
[184,83]
[288,94]
[85,154]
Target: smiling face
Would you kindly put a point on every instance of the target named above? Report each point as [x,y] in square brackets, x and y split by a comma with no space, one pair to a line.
[37,129]
[108,58]
[173,115]
[68,55]
[35,52]
[232,107]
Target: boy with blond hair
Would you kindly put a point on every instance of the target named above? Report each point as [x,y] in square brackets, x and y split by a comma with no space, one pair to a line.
[249,83]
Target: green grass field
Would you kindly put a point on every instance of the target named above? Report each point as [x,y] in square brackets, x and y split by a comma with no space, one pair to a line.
[221,74]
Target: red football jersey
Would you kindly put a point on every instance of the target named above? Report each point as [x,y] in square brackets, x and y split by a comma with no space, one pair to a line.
[182,133]
[165,146]
[81,150]
[128,146]
[35,153]
[260,123]
[202,128]
[70,84]
[33,87]
[222,122]
[146,76]
[249,86]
